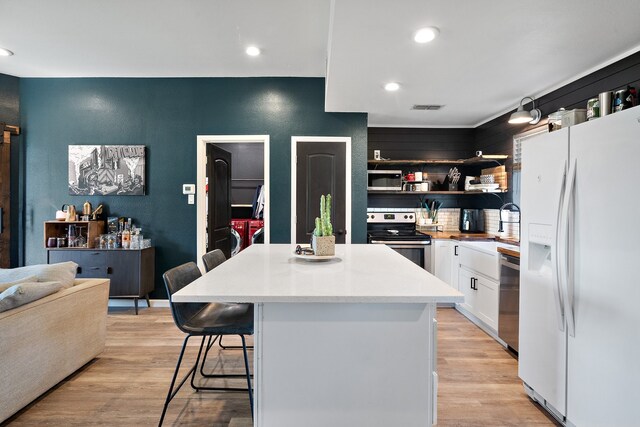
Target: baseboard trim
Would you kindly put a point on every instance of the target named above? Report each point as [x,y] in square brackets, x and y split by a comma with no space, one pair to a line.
[142,303]
[480,324]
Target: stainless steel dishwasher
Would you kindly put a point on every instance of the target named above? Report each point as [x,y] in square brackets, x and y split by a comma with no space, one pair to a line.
[509,300]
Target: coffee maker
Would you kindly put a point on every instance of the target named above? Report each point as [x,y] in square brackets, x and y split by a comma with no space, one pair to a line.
[472,220]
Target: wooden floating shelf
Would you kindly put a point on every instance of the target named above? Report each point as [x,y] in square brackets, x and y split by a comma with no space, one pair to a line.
[435,192]
[474,160]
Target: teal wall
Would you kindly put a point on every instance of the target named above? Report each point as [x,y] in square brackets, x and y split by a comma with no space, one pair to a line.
[166,115]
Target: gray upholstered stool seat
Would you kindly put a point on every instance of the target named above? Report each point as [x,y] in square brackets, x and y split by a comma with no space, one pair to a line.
[221,319]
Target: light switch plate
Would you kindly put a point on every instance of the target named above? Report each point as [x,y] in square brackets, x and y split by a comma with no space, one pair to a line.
[188,189]
[191,199]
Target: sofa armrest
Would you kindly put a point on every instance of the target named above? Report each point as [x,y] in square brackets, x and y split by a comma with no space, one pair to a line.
[43,342]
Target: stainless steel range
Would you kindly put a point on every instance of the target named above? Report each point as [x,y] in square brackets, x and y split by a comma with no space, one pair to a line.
[398,231]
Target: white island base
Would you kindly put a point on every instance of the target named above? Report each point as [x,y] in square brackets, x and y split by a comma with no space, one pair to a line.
[340,364]
[349,342]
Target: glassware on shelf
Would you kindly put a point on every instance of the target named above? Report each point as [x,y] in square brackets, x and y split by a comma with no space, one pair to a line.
[111,241]
[81,241]
[71,236]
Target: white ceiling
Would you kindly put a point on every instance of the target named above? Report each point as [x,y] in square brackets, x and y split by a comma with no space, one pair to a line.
[488,56]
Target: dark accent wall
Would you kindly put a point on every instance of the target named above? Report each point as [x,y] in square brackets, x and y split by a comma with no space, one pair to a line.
[166,115]
[426,143]
[496,136]
[10,114]
[493,137]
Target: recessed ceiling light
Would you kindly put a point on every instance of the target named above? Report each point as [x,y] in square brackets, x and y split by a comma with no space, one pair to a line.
[392,86]
[5,52]
[425,35]
[253,51]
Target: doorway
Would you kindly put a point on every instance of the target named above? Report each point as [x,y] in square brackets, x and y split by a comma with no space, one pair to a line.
[227,143]
[320,165]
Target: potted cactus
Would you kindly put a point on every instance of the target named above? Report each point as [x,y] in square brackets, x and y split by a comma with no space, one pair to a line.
[323,242]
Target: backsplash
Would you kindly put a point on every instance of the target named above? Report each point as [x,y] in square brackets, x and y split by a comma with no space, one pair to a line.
[449,220]
[492,223]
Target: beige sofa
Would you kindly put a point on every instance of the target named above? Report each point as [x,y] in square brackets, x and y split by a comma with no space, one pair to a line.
[46,340]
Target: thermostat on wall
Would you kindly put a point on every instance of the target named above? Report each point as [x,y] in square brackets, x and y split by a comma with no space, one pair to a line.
[188,189]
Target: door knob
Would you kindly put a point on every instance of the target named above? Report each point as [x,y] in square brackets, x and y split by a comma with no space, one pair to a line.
[340,232]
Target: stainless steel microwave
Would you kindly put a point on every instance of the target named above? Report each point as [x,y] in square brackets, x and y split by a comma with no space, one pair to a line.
[389,180]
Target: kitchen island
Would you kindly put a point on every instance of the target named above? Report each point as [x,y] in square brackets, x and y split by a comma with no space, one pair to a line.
[349,341]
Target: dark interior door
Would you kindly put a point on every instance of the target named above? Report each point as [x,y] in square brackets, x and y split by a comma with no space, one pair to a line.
[5,197]
[219,200]
[320,170]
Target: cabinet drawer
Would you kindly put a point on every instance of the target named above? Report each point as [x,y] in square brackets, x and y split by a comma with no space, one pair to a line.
[91,264]
[481,262]
[92,271]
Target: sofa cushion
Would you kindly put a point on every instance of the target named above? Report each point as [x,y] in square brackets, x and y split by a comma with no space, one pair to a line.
[63,272]
[6,285]
[24,293]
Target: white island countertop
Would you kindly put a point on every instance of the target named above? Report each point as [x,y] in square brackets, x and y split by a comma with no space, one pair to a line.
[362,273]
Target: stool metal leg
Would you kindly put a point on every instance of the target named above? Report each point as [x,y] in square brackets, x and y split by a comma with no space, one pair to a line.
[232,347]
[172,393]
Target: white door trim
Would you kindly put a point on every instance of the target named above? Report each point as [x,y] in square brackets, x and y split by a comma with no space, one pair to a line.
[294,170]
[201,175]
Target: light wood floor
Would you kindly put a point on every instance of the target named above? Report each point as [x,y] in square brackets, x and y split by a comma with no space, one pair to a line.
[127,384]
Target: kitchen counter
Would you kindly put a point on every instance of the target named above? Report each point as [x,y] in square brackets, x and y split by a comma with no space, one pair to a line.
[458,235]
[360,274]
[318,327]
[509,251]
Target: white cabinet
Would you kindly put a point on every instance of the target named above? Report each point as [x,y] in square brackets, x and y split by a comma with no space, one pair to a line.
[465,285]
[442,252]
[446,261]
[455,263]
[478,280]
[487,299]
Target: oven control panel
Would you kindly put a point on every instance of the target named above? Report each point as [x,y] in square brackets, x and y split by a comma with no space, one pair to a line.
[391,217]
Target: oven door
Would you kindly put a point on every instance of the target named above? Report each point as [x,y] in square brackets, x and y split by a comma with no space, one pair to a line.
[419,254]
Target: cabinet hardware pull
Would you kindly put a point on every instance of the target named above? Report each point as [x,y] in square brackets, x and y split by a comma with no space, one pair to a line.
[109,271]
[94,268]
[471,282]
[455,250]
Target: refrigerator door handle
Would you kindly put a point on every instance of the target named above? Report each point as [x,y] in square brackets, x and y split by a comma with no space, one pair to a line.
[555,254]
[567,250]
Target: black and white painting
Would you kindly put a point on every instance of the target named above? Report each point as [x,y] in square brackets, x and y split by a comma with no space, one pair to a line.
[106,170]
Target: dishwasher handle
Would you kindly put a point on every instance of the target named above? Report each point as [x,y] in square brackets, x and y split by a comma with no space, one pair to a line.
[508,261]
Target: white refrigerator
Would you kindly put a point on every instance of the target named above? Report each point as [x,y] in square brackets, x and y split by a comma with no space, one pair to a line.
[579,352]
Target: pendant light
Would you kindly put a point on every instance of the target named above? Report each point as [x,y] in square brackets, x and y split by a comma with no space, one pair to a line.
[522,116]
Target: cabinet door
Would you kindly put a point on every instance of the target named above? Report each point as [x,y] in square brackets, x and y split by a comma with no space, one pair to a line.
[442,260]
[455,263]
[483,262]
[91,264]
[464,286]
[123,268]
[486,302]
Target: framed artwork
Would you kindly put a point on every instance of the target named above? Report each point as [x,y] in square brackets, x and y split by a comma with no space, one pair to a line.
[108,170]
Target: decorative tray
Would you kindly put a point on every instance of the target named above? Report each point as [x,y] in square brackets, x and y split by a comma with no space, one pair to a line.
[304,252]
[311,257]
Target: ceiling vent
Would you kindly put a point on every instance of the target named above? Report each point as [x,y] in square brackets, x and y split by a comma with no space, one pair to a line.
[427,107]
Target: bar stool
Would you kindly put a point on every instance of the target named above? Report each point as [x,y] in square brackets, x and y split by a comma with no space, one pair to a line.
[205,320]
[211,260]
